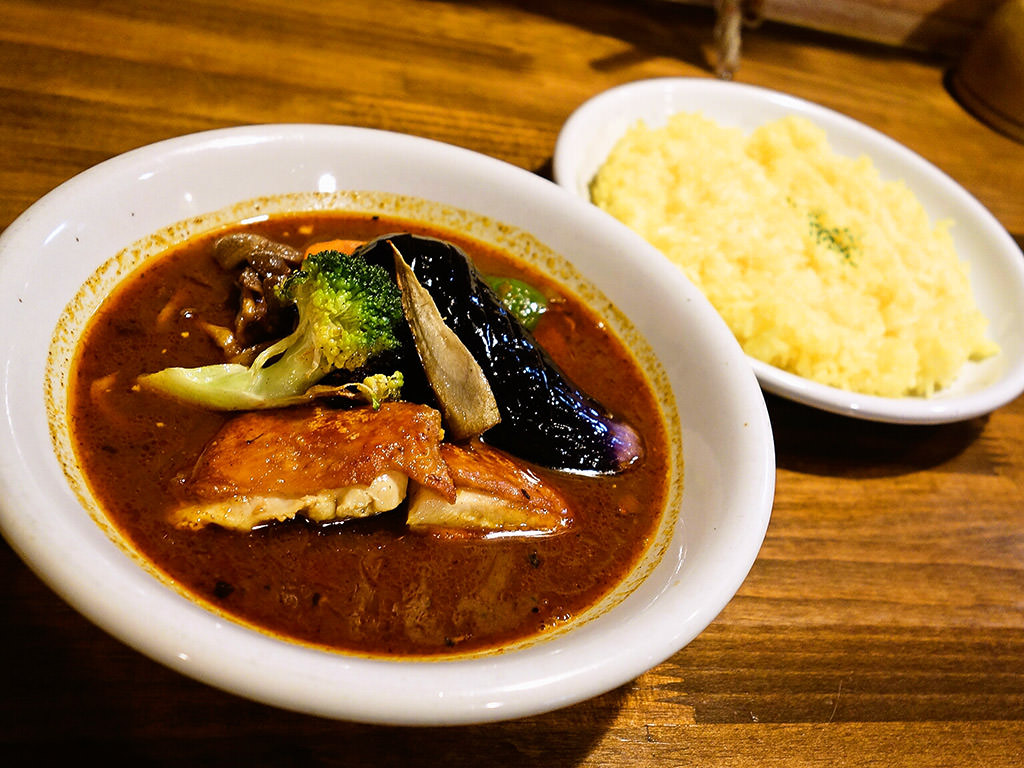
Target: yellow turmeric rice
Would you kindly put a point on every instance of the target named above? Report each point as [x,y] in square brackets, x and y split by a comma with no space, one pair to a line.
[818,265]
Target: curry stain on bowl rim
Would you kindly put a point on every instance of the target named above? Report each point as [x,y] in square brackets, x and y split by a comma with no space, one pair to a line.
[518,243]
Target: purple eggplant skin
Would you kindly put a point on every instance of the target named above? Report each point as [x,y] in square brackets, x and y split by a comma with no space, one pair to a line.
[545,418]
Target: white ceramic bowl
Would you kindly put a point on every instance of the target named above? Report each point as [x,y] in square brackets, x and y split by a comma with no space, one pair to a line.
[996,263]
[703,551]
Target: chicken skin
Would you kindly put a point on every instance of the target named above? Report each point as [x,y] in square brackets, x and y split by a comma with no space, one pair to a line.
[337,464]
[493,493]
[324,463]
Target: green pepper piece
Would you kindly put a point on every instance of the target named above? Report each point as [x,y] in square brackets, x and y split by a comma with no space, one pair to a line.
[521,299]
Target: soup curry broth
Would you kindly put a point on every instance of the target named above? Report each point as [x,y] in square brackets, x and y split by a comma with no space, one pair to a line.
[369,586]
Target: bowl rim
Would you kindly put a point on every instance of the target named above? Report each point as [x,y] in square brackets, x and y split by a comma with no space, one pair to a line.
[587,135]
[292,676]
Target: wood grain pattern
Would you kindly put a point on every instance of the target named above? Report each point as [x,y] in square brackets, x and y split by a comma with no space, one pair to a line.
[883,623]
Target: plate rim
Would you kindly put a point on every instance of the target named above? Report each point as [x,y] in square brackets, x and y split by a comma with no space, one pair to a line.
[463,708]
[941,409]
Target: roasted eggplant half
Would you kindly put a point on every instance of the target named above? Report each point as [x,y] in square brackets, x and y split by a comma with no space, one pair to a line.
[545,418]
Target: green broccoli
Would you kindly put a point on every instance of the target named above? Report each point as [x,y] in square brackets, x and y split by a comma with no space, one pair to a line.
[378,387]
[349,312]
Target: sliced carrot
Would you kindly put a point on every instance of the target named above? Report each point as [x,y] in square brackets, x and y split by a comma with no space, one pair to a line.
[345,246]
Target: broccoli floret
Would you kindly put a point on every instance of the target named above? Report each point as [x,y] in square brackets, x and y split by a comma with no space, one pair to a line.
[350,307]
[379,387]
[349,312]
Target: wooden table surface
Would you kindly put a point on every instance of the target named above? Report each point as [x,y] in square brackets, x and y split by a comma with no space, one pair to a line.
[883,623]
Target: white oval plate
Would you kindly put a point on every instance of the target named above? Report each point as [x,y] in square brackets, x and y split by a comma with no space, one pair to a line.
[997,266]
[708,540]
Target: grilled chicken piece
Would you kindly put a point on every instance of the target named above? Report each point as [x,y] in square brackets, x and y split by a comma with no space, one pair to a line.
[326,464]
[493,493]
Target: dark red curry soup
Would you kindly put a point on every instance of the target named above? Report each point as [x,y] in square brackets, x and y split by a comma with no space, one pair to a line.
[369,586]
